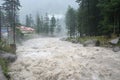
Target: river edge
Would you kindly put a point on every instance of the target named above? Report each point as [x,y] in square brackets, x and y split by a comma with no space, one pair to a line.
[5,60]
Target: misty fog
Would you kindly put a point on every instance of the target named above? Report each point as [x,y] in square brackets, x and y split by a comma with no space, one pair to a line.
[52,7]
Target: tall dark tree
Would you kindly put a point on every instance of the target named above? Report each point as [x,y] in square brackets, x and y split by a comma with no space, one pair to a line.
[46,24]
[38,24]
[71,21]
[99,17]
[12,7]
[29,21]
[52,25]
[0,22]
[42,24]
[110,10]
[88,17]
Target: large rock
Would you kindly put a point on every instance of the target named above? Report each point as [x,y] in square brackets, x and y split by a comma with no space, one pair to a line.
[71,40]
[91,43]
[74,41]
[8,56]
[2,77]
[114,41]
[116,49]
[63,39]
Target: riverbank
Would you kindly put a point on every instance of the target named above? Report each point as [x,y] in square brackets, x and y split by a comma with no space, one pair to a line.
[7,55]
[102,41]
[5,60]
[3,69]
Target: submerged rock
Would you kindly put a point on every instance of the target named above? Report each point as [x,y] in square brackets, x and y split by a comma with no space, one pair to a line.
[2,77]
[116,49]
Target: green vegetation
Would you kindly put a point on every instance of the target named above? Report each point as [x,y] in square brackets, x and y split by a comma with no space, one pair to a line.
[118,43]
[94,18]
[7,48]
[42,24]
[71,21]
[104,40]
[4,65]
[10,9]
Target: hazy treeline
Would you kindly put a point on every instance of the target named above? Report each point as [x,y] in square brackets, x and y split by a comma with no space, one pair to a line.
[44,24]
[94,17]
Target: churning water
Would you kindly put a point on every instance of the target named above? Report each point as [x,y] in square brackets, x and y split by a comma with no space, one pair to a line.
[52,59]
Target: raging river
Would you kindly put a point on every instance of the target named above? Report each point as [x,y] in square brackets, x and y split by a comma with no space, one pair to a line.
[53,59]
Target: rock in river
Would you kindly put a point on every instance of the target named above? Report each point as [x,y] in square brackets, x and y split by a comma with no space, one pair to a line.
[116,49]
[91,43]
[114,41]
[8,56]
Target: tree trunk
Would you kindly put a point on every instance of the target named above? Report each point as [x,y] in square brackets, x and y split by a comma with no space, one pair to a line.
[0,23]
[114,30]
[118,25]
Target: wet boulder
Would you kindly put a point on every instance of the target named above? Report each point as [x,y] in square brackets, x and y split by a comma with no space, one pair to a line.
[8,56]
[74,41]
[2,77]
[91,43]
[63,39]
[114,41]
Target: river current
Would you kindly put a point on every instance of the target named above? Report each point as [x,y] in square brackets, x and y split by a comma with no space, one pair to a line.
[53,59]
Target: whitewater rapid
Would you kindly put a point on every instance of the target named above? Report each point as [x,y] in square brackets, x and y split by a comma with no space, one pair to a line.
[53,59]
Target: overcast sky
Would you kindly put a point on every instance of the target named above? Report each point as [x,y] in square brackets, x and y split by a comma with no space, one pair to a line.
[56,7]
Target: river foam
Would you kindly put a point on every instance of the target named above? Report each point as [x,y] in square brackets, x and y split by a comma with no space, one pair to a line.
[52,59]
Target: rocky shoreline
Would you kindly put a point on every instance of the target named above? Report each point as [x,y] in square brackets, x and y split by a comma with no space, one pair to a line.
[5,59]
[112,44]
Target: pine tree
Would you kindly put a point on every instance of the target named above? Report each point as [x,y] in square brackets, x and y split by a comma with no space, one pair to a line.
[52,25]
[110,11]
[46,24]
[58,26]
[88,17]
[99,17]
[27,21]
[0,22]
[71,21]
[38,24]
[11,8]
